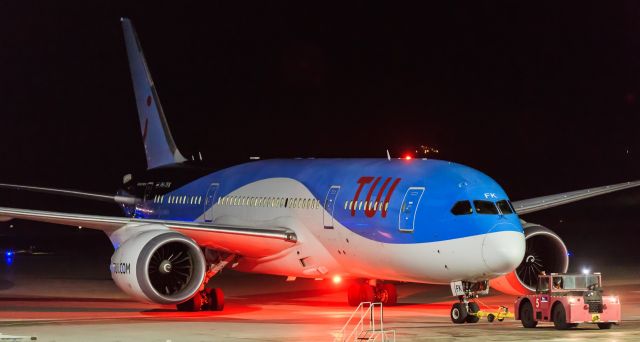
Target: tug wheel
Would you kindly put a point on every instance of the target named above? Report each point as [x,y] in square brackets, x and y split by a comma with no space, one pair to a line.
[526,315]
[560,318]
[605,325]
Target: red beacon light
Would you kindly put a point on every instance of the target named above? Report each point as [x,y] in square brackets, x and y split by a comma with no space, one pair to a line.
[337,279]
[408,157]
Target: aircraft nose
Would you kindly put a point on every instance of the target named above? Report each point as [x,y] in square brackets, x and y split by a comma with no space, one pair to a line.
[503,248]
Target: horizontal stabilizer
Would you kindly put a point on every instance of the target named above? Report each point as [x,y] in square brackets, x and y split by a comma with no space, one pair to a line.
[73,193]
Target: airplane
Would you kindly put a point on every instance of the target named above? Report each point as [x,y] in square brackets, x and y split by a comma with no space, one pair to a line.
[374,221]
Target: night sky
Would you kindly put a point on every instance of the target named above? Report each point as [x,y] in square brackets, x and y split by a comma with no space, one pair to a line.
[543,97]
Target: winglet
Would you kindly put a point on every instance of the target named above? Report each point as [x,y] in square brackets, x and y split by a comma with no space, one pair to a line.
[158,142]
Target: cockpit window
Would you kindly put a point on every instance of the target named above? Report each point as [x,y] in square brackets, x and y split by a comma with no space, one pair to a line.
[485,207]
[504,207]
[462,208]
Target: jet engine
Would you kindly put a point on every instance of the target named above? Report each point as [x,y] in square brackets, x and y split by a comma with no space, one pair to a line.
[158,266]
[545,251]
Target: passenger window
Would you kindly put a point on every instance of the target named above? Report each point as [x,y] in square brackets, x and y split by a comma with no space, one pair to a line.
[485,207]
[462,208]
[504,207]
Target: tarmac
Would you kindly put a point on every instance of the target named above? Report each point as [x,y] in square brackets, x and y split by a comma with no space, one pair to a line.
[63,298]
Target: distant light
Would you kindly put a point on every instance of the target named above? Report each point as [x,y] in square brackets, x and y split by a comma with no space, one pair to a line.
[586,271]
[569,254]
[9,253]
[337,279]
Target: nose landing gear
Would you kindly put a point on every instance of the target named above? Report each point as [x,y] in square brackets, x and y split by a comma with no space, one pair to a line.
[464,311]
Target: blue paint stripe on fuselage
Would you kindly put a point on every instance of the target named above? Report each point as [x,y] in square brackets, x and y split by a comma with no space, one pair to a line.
[444,182]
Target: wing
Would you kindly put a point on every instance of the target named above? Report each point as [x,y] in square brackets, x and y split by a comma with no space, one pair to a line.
[544,202]
[246,241]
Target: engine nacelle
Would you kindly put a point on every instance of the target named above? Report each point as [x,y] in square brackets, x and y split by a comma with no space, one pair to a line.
[545,251]
[158,266]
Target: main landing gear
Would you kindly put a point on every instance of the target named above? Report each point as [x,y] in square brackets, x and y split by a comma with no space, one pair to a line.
[372,291]
[211,299]
[464,311]
[208,299]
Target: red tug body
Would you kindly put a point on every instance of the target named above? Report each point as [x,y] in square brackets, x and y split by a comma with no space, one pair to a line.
[568,300]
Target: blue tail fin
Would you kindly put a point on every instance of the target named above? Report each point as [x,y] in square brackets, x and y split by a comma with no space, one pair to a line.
[158,142]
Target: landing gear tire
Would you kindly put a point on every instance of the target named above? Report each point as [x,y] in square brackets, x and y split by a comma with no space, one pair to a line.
[353,294]
[195,303]
[359,293]
[216,299]
[526,316]
[605,325]
[560,318]
[473,308]
[389,295]
[458,313]
[366,293]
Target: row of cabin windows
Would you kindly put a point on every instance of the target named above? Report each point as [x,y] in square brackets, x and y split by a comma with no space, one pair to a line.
[271,202]
[184,199]
[503,207]
[362,205]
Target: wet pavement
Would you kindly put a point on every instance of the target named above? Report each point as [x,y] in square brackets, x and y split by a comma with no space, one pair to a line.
[62,298]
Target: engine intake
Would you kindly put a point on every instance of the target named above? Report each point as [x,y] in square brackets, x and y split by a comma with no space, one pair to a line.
[159,266]
[545,251]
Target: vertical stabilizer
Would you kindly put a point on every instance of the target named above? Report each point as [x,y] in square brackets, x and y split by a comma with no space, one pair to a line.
[158,142]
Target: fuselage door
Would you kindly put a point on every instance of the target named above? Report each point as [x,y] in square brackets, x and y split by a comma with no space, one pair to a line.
[210,201]
[408,209]
[329,206]
[148,192]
